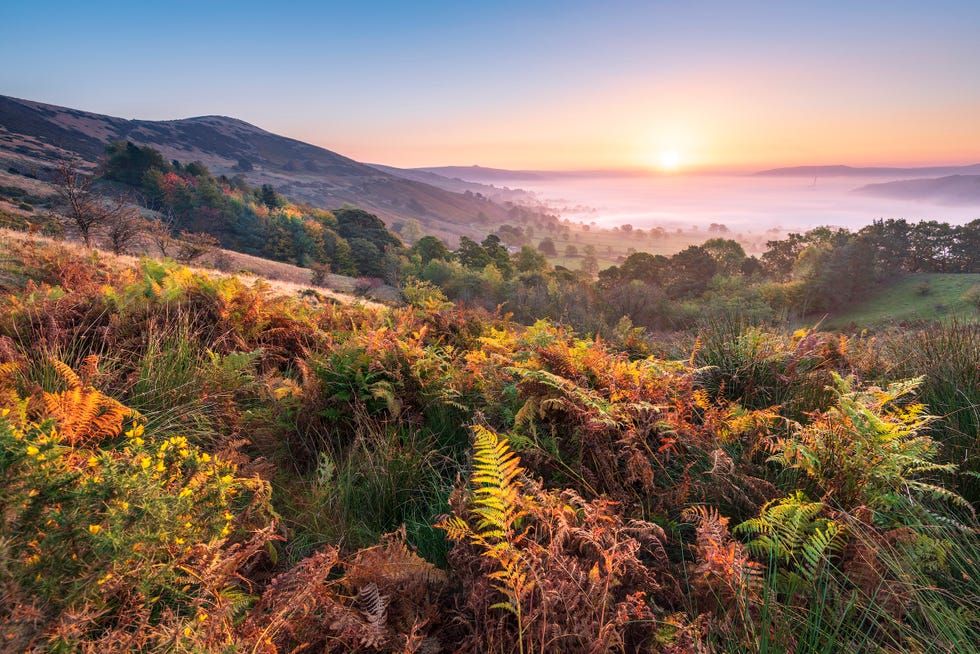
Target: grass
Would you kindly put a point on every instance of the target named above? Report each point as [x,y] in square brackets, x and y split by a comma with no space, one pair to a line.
[923,296]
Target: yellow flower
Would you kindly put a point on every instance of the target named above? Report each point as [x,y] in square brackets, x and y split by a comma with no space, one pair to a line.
[229,516]
[188,631]
[205,458]
[106,578]
[188,525]
[94,529]
[136,431]
[202,616]
[124,506]
[32,450]
[186,492]
[92,462]
[179,541]
[3,414]
[161,467]
[145,462]
[227,479]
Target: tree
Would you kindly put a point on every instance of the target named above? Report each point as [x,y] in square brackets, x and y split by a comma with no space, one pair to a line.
[529,260]
[193,246]
[367,257]
[690,271]
[84,209]
[728,254]
[429,248]
[129,164]
[471,254]
[269,197]
[125,231]
[160,233]
[571,251]
[547,247]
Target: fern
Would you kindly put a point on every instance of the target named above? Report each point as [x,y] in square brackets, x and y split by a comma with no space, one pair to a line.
[496,505]
[790,531]
[83,414]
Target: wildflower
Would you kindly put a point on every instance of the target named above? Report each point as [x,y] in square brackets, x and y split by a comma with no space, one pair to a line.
[94,529]
[92,462]
[179,541]
[185,492]
[160,467]
[32,450]
[145,462]
[202,616]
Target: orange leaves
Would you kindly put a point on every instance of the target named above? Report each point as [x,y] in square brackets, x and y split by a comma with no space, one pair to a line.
[82,413]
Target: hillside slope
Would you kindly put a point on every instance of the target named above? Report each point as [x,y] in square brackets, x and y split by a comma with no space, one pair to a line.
[36,135]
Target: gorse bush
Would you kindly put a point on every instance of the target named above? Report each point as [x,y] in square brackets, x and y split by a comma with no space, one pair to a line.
[102,529]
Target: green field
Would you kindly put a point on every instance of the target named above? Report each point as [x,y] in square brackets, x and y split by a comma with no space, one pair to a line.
[923,296]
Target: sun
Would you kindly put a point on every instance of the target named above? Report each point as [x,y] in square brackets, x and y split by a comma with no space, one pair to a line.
[670,160]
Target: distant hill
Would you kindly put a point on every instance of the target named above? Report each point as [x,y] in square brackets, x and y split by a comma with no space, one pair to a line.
[36,135]
[850,171]
[459,185]
[483,175]
[952,189]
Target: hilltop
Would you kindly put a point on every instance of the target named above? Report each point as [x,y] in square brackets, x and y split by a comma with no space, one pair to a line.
[37,135]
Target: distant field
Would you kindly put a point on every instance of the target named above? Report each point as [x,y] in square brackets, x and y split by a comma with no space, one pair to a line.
[905,300]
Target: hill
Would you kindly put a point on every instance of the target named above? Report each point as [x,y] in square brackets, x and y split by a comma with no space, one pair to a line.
[924,296]
[952,189]
[879,171]
[36,135]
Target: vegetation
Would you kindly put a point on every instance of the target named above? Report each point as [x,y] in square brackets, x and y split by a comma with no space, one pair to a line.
[195,464]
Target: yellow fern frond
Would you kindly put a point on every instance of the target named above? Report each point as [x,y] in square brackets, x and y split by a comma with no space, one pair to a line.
[83,414]
[66,374]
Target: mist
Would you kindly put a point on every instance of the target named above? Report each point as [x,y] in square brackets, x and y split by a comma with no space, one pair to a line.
[743,203]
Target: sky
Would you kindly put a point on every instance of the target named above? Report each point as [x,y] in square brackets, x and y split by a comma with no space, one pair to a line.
[679,84]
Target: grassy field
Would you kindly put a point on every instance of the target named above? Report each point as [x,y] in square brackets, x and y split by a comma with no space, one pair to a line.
[924,296]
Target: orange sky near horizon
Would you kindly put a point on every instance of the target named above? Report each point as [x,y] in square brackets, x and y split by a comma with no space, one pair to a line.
[519,84]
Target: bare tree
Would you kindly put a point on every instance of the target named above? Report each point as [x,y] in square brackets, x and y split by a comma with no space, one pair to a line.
[85,209]
[159,231]
[126,230]
[193,245]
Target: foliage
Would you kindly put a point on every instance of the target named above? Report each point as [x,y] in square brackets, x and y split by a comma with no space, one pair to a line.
[302,451]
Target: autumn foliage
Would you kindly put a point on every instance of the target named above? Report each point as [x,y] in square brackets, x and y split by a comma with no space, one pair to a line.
[198,464]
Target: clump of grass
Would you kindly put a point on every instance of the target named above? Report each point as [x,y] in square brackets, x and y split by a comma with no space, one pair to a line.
[946,354]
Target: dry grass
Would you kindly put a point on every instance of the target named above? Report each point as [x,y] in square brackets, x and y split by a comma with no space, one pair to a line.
[282,278]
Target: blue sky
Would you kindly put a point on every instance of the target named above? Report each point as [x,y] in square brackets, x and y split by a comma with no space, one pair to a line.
[525,84]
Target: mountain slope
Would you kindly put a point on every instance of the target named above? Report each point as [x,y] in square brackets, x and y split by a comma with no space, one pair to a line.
[36,135]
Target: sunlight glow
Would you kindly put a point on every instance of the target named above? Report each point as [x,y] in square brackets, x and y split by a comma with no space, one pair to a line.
[669,160]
